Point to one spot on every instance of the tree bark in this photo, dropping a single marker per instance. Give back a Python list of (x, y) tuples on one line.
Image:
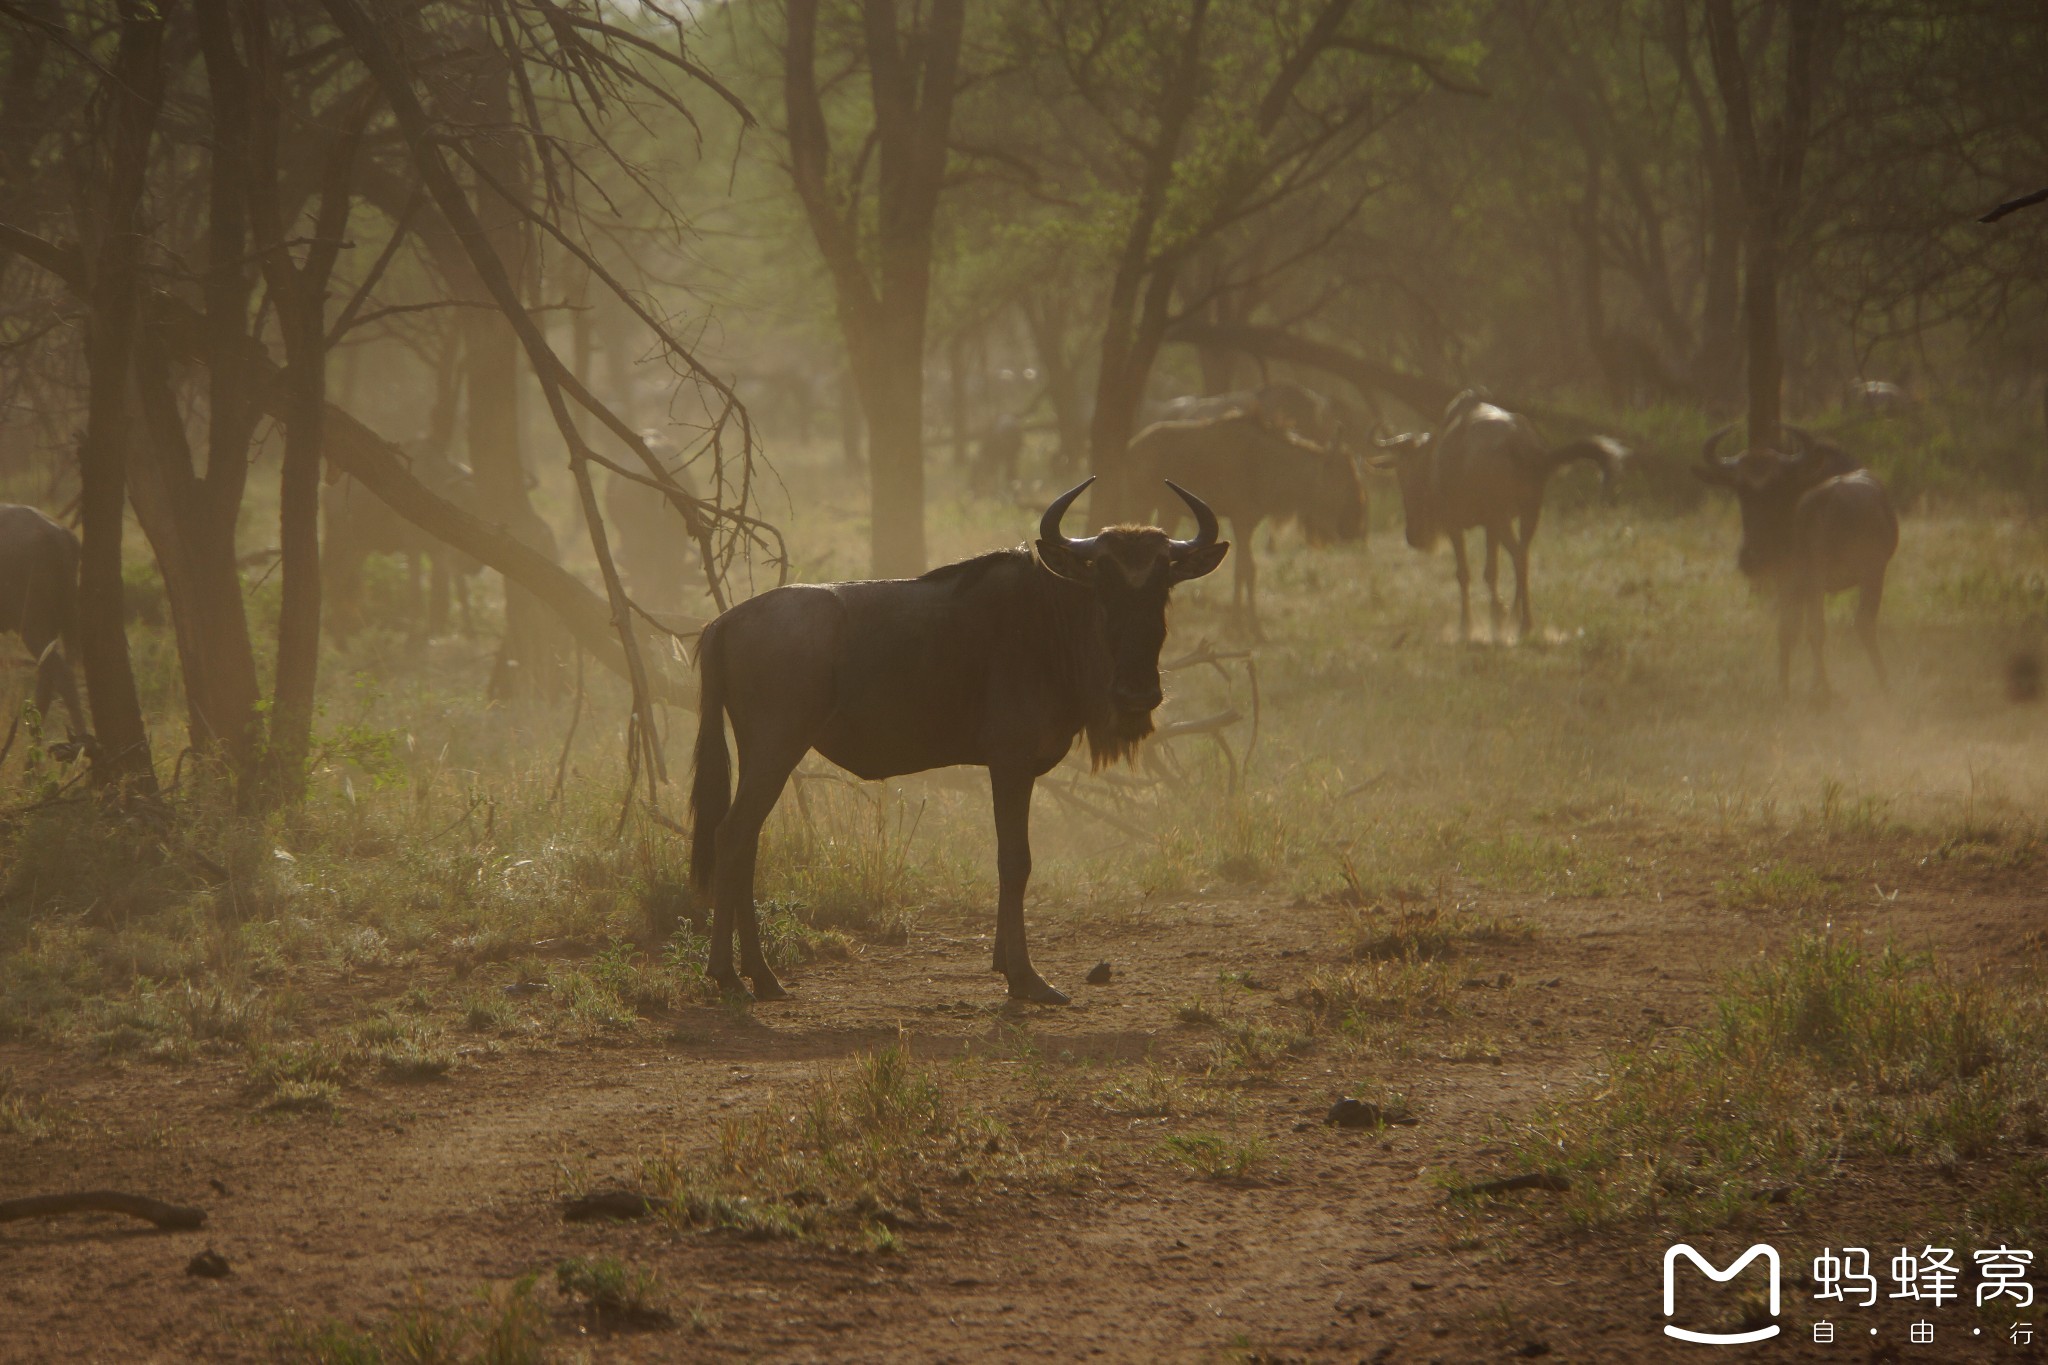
[(912, 77), (1769, 170), (135, 92)]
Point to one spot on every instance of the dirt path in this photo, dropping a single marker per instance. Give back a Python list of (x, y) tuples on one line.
[(1334, 1248)]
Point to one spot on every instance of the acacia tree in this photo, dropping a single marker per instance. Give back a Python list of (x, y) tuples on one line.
[(1182, 125), (881, 270)]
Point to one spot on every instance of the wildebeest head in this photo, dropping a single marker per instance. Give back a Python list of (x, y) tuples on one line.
[(1413, 460), (1131, 570), (1767, 485), (1335, 507)]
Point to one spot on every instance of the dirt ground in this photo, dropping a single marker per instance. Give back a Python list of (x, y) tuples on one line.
[(1337, 1247)]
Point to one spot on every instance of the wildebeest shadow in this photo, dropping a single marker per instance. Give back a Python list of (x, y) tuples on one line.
[(715, 1034)]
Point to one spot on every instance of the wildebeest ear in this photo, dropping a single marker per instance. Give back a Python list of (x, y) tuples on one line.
[(1061, 561), (1194, 563)]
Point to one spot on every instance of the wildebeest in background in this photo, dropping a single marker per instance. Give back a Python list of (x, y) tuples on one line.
[(1251, 473), (39, 602), (1813, 523), (1878, 397), (359, 524), (997, 662), (1487, 467), (996, 456), (657, 560), (1279, 406)]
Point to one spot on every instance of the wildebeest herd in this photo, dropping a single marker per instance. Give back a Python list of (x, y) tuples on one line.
[(1002, 661)]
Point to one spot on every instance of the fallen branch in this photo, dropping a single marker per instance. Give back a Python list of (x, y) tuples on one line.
[(167, 1217), (1528, 1180)]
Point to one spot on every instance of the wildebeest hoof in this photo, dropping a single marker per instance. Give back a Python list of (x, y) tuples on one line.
[(766, 987), (1035, 990), (730, 985)]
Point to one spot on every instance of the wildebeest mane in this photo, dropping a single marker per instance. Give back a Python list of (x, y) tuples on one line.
[(1061, 616)]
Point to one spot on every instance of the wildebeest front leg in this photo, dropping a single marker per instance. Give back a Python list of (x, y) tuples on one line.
[(1817, 627), (1464, 586), (1493, 579), (1791, 613), (1012, 790), (1867, 601), (1518, 551)]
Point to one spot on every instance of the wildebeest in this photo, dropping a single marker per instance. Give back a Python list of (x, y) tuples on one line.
[(1487, 467), (656, 557), (998, 661), (39, 602), (1280, 406), (358, 524), (1813, 523), (1251, 473), (1878, 397)]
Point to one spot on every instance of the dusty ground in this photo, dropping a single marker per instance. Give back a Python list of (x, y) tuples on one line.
[(1336, 1247)]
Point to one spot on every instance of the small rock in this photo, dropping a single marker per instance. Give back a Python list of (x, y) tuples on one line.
[(1419, 1285), (526, 988), (219, 1186), (1348, 1113), (209, 1265), (1530, 1350), (1100, 974)]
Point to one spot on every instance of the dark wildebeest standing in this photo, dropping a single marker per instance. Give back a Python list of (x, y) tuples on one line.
[(1487, 468), (39, 602), (1252, 472), (360, 524), (657, 559), (997, 662), (1813, 524)]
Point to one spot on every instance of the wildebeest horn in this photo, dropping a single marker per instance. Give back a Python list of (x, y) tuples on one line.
[(1707, 450), (1205, 520), (1049, 524)]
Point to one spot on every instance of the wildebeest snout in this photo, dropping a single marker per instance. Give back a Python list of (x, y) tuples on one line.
[(1135, 696)]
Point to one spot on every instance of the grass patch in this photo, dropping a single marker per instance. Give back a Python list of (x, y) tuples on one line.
[(1214, 1155), (1363, 997), (504, 1326), (1425, 932), (1827, 1052), (609, 1291), (872, 1147), (1777, 888)]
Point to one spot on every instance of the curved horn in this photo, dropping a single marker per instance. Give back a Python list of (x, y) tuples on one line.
[(1707, 450), (1390, 442), (1206, 529), (1049, 524)]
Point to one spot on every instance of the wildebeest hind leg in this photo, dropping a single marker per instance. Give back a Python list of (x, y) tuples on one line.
[(1012, 791), (765, 767)]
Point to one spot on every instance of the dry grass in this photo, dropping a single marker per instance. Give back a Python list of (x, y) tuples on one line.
[(1829, 1050), (874, 1149)]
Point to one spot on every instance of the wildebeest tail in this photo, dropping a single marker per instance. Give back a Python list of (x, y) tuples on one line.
[(711, 791), (1603, 451)]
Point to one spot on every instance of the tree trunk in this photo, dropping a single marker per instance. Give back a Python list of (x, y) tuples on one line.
[(912, 79), (135, 96)]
